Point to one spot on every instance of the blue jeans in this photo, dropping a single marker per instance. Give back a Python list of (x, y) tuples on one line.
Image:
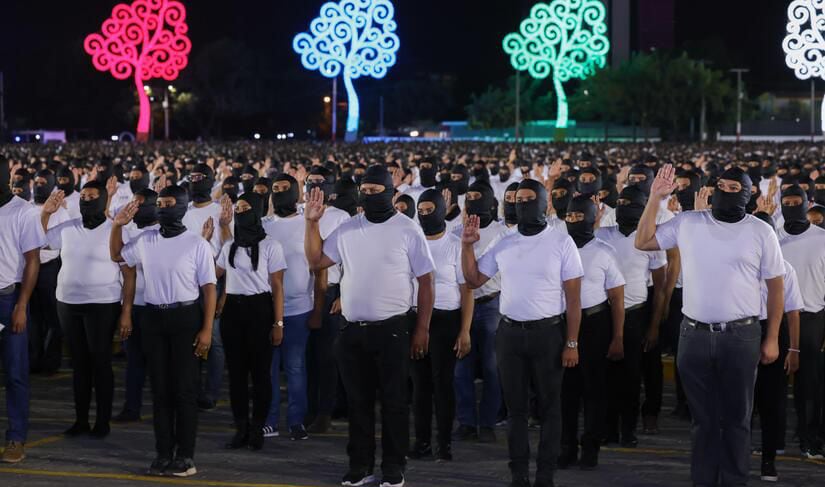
[(293, 352), (482, 355), (135, 364), (15, 349)]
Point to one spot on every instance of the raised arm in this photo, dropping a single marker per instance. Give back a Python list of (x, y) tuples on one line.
[(662, 187), (469, 265), (313, 245), (49, 208), (116, 236)]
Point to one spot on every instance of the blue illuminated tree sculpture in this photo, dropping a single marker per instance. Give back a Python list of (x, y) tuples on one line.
[(565, 38), (352, 38)]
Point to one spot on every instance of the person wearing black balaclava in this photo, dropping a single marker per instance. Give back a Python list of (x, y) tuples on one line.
[(345, 196), (248, 177), (803, 246), (607, 199), (641, 176), (719, 347), (501, 180), (320, 177), (600, 337), (816, 215), (405, 205), (458, 185), (263, 186), (449, 334), (145, 220), (480, 172), (819, 190), (538, 298), (88, 302), (376, 299), (138, 178), (21, 186), (509, 205), (253, 317), (230, 187), (65, 181), (358, 173), (477, 419), (561, 196)]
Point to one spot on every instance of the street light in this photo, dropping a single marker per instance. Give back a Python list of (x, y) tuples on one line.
[(327, 99), (739, 95), (257, 136)]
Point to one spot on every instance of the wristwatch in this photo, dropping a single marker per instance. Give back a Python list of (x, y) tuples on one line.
[(572, 344), (279, 324)]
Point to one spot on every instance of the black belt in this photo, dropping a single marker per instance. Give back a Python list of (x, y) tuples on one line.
[(8, 290), (181, 304), (595, 309), (720, 327), (804, 313), (374, 323), (635, 307), (333, 285), (553, 320), (487, 298)]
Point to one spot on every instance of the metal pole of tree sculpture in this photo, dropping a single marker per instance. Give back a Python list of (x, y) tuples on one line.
[(565, 38), (142, 41), (805, 48), (352, 38)]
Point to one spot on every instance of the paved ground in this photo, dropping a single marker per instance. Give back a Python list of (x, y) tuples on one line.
[(123, 456)]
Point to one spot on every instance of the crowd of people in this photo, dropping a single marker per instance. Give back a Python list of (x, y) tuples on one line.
[(557, 275)]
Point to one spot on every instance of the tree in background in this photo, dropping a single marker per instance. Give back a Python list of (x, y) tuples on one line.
[(496, 106)]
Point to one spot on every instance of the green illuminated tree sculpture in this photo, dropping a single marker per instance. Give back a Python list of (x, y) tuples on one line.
[(565, 38)]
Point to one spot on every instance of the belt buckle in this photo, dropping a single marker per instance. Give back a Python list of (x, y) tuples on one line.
[(718, 327), (163, 306), (362, 323)]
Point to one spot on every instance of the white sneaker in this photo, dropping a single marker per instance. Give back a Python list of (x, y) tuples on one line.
[(394, 482), (270, 431), (353, 479)]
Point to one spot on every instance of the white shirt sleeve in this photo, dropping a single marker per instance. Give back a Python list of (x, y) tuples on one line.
[(487, 263), (31, 232), (793, 296), (613, 276), (772, 264), (418, 252), (223, 258), (667, 234), (330, 246), (276, 261), (571, 261), (131, 254), (205, 263), (658, 259), (54, 236), (459, 273)]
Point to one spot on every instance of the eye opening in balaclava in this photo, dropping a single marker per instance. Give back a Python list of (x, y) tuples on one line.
[(795, 216), (532, 217), (483, 205), (435, 222), (730, 207), (581, 231)]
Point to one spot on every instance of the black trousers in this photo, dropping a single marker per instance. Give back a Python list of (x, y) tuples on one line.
[(376, 358), (624, 377), (433, 379), (672, 324), (168, 336), (322, 373), (586, 383), (45, 335), (652, 370), (771, 397), (245, 329), (525, 355), (809, 380), (89, 330)]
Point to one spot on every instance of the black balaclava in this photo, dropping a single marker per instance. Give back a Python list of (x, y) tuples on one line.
[(481, 207), (285, 203), (5, 190), (171, 218), (248, 229), (532, 217), (238, 170), (524, 167), (481, 173), (427, 175), (459, 186), (93, 211), (346, 196), (510, 214), (609, 185), (494, 169), (407, 200), (590, 189), (582, 232), (266, 183), (821, 211), (117, 172), (629, 214), (504, 173), (769, 171), (730, 207), (819, 194), (42, 191), (143, 182), (765, 218), (358, 177), (644, 185), (346, 172), (435, 222), (560, 204), (811, 191), (147, 213), (378, 208), (796, 219), (25, 189), (230, 188), (687, 196), (107, 171), (755, 195), (326, 186), (65, 172), (202, 190)]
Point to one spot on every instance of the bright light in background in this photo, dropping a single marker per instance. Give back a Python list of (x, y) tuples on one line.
[(257, 136), (327, 99), (290, 135), (115, 138), (37, 137), (414, 133), (17, 138), (172, 88)]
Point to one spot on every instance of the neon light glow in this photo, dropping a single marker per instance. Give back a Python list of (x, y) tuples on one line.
[(805, 48), (563, 37), (142, 41), (352, 38)]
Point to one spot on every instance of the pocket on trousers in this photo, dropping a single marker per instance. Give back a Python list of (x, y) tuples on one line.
[(686, 331), (750, 333)]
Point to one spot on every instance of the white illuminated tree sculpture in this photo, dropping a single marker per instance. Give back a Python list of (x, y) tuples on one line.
[(804, 44)]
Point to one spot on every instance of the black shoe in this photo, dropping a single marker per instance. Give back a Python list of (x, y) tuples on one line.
[(486, 435), (393, 480), (126, 417), (100, 431), (569, 457), (298, 432), (256, 438), (769, 473), (158, 467), (320, 425), (520, 481), (444, 453), (629, 440), (78, 429), (420, 450), (357, 478), (206, 404), (240, 440), (182, 467), (543, 483), (465, 433), (589, 459)]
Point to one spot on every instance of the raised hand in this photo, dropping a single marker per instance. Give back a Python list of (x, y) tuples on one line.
[(470, 234), (111, 186), (664, 183), (555, 170), (314, 208), (621, 178), (773, 187), (226, 211), (447, 195), (208, 229), (160, 183), (125, 215), (673, 204), (397, 176), (54, 202), (766, 204), (701, 200), (599, 208)]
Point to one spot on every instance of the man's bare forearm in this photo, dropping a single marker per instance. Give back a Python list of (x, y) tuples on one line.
[(313, 244), (30, 272)]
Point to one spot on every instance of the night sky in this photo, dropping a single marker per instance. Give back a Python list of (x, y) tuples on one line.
[(41, 47)]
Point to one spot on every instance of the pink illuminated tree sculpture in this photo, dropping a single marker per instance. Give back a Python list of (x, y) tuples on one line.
[(142, 41)]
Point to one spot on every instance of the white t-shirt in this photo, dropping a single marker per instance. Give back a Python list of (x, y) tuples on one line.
[(87, 273), (601, 272), (533, 270), (608, 216), (446, 252), (299, 282), (122, 197), (379, 262), (806, 253), (242, 279), (194, 219), (793, 296), (557, 224), (487, 236), (21, 232), (72, 203), (635, 264), (175, 268), (722, 263), (332, 218), (130, 233), (61, 215)]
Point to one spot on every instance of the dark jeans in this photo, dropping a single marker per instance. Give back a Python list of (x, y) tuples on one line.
[(809, 380), (528, 356), (15, 350), (135, 363), (45, 335), (652, 369), (586, 383), (719, 373), (89, 330), (246, 332), (376, 358), (672, 326), (624, 377), (210, 388), (433, 379), (168, 336), (322, 374), (771, 397)]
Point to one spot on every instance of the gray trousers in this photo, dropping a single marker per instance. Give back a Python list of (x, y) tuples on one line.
[(718, 371)]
